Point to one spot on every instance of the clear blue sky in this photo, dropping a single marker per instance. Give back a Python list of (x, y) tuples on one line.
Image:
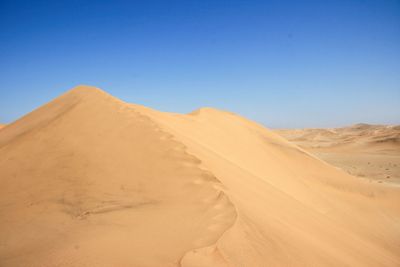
[(281, 63)]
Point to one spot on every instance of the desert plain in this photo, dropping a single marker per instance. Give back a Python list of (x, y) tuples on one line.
[(364, 150), (90, 180)]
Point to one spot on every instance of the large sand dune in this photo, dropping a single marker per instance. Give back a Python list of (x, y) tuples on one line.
[(88, 180)]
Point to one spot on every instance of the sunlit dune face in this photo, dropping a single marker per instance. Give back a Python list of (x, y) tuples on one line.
[(89, 180)]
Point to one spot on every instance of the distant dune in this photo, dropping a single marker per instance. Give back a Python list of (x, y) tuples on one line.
[(364, 137), (365, 150), (89, 180)]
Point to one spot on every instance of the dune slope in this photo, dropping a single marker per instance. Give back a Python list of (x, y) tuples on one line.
[(88, 180)]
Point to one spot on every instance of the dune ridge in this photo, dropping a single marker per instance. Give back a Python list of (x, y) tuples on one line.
[(104, 200), (90, 180)]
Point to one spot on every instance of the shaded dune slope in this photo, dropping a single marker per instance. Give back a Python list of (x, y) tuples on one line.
[(90, 180)]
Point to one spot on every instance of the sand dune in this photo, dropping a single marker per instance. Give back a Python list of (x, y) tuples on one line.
[(88, 180), (361, 137), (371, 151)]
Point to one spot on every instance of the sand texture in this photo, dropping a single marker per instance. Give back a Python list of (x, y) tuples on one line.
[(89, 180)]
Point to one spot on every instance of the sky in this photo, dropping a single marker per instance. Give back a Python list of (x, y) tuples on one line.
[(285, 64)]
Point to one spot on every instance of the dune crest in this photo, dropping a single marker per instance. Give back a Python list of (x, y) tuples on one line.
[(89, 180)]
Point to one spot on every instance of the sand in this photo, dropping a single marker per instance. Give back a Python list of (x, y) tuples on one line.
[(364, 150), (89, 180)]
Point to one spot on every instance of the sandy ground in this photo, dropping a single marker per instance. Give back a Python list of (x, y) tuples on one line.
[(89, 180), (370, 151)]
